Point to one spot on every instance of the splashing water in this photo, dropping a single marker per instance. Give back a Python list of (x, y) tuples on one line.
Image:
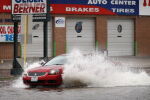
[(96, 71), (19, 83)]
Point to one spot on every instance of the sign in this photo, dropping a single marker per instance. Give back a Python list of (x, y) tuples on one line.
[(41, 17), (36, 17), (16, 17), (144, 6), (94, 7), (60, 22), (5, 6), (29, 6), (7, 33)]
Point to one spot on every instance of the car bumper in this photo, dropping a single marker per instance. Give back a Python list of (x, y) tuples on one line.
[(43, 80)]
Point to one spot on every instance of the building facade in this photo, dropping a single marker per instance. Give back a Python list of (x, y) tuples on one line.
[(115, 27)]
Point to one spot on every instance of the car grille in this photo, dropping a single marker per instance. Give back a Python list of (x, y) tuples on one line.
[(36, 73), (40, 81)]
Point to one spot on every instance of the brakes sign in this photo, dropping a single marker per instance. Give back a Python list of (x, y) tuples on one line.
[(29, 6)]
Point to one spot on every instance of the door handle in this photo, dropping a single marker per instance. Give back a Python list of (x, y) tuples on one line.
[(79, 36), (119, 36), (35, 36)]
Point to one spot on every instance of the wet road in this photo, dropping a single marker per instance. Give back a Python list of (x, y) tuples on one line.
[(7, 92)]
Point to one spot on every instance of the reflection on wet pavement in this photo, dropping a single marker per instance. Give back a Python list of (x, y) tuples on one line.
[(7, 92), (5, 83), (41, 88)]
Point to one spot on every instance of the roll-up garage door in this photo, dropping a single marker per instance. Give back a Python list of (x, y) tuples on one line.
[(35, 48), (120, 37), (80, 34)]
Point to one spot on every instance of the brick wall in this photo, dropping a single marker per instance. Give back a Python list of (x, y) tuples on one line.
[(101, 32), (6, 50), (143, 36), (59, 40)]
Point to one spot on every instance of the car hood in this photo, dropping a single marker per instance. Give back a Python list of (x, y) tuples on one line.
[(46, 68)]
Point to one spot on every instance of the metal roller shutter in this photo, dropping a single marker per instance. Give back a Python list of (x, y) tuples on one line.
[(80, 34), (120, 37), (35, 49)]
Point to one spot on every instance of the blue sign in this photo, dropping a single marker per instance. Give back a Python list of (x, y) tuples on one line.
[(99, 7)]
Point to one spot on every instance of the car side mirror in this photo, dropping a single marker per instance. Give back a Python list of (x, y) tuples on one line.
[(42, 62)]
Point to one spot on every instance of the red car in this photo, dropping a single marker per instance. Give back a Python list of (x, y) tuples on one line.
[(48, 74)]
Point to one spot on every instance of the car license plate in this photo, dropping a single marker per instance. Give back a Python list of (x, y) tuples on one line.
[(34, 79)]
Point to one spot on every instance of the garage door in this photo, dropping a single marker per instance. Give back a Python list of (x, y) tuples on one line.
[(120, 37), (35, 49), (80, 34)]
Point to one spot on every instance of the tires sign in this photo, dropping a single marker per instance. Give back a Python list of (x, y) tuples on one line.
[(95, 7)]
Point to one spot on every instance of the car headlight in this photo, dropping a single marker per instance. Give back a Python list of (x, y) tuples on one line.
[(54, 72)]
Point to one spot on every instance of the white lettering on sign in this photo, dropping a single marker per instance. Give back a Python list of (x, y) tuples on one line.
[(113, 2), (51, 8), (6, 7), (122, 10), (97, 2), (74, 9), (123, 2)]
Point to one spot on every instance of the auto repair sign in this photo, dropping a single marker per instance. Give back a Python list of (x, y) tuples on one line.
[(97, 7), (7, 33), (90, 7), (29, 6)]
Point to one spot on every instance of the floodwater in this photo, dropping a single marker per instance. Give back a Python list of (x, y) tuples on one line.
[(7, 92), (90, 77)]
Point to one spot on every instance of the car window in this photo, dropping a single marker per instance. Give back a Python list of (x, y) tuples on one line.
[(59, 60)]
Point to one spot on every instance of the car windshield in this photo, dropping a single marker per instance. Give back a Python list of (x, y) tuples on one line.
[(60, 60)]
